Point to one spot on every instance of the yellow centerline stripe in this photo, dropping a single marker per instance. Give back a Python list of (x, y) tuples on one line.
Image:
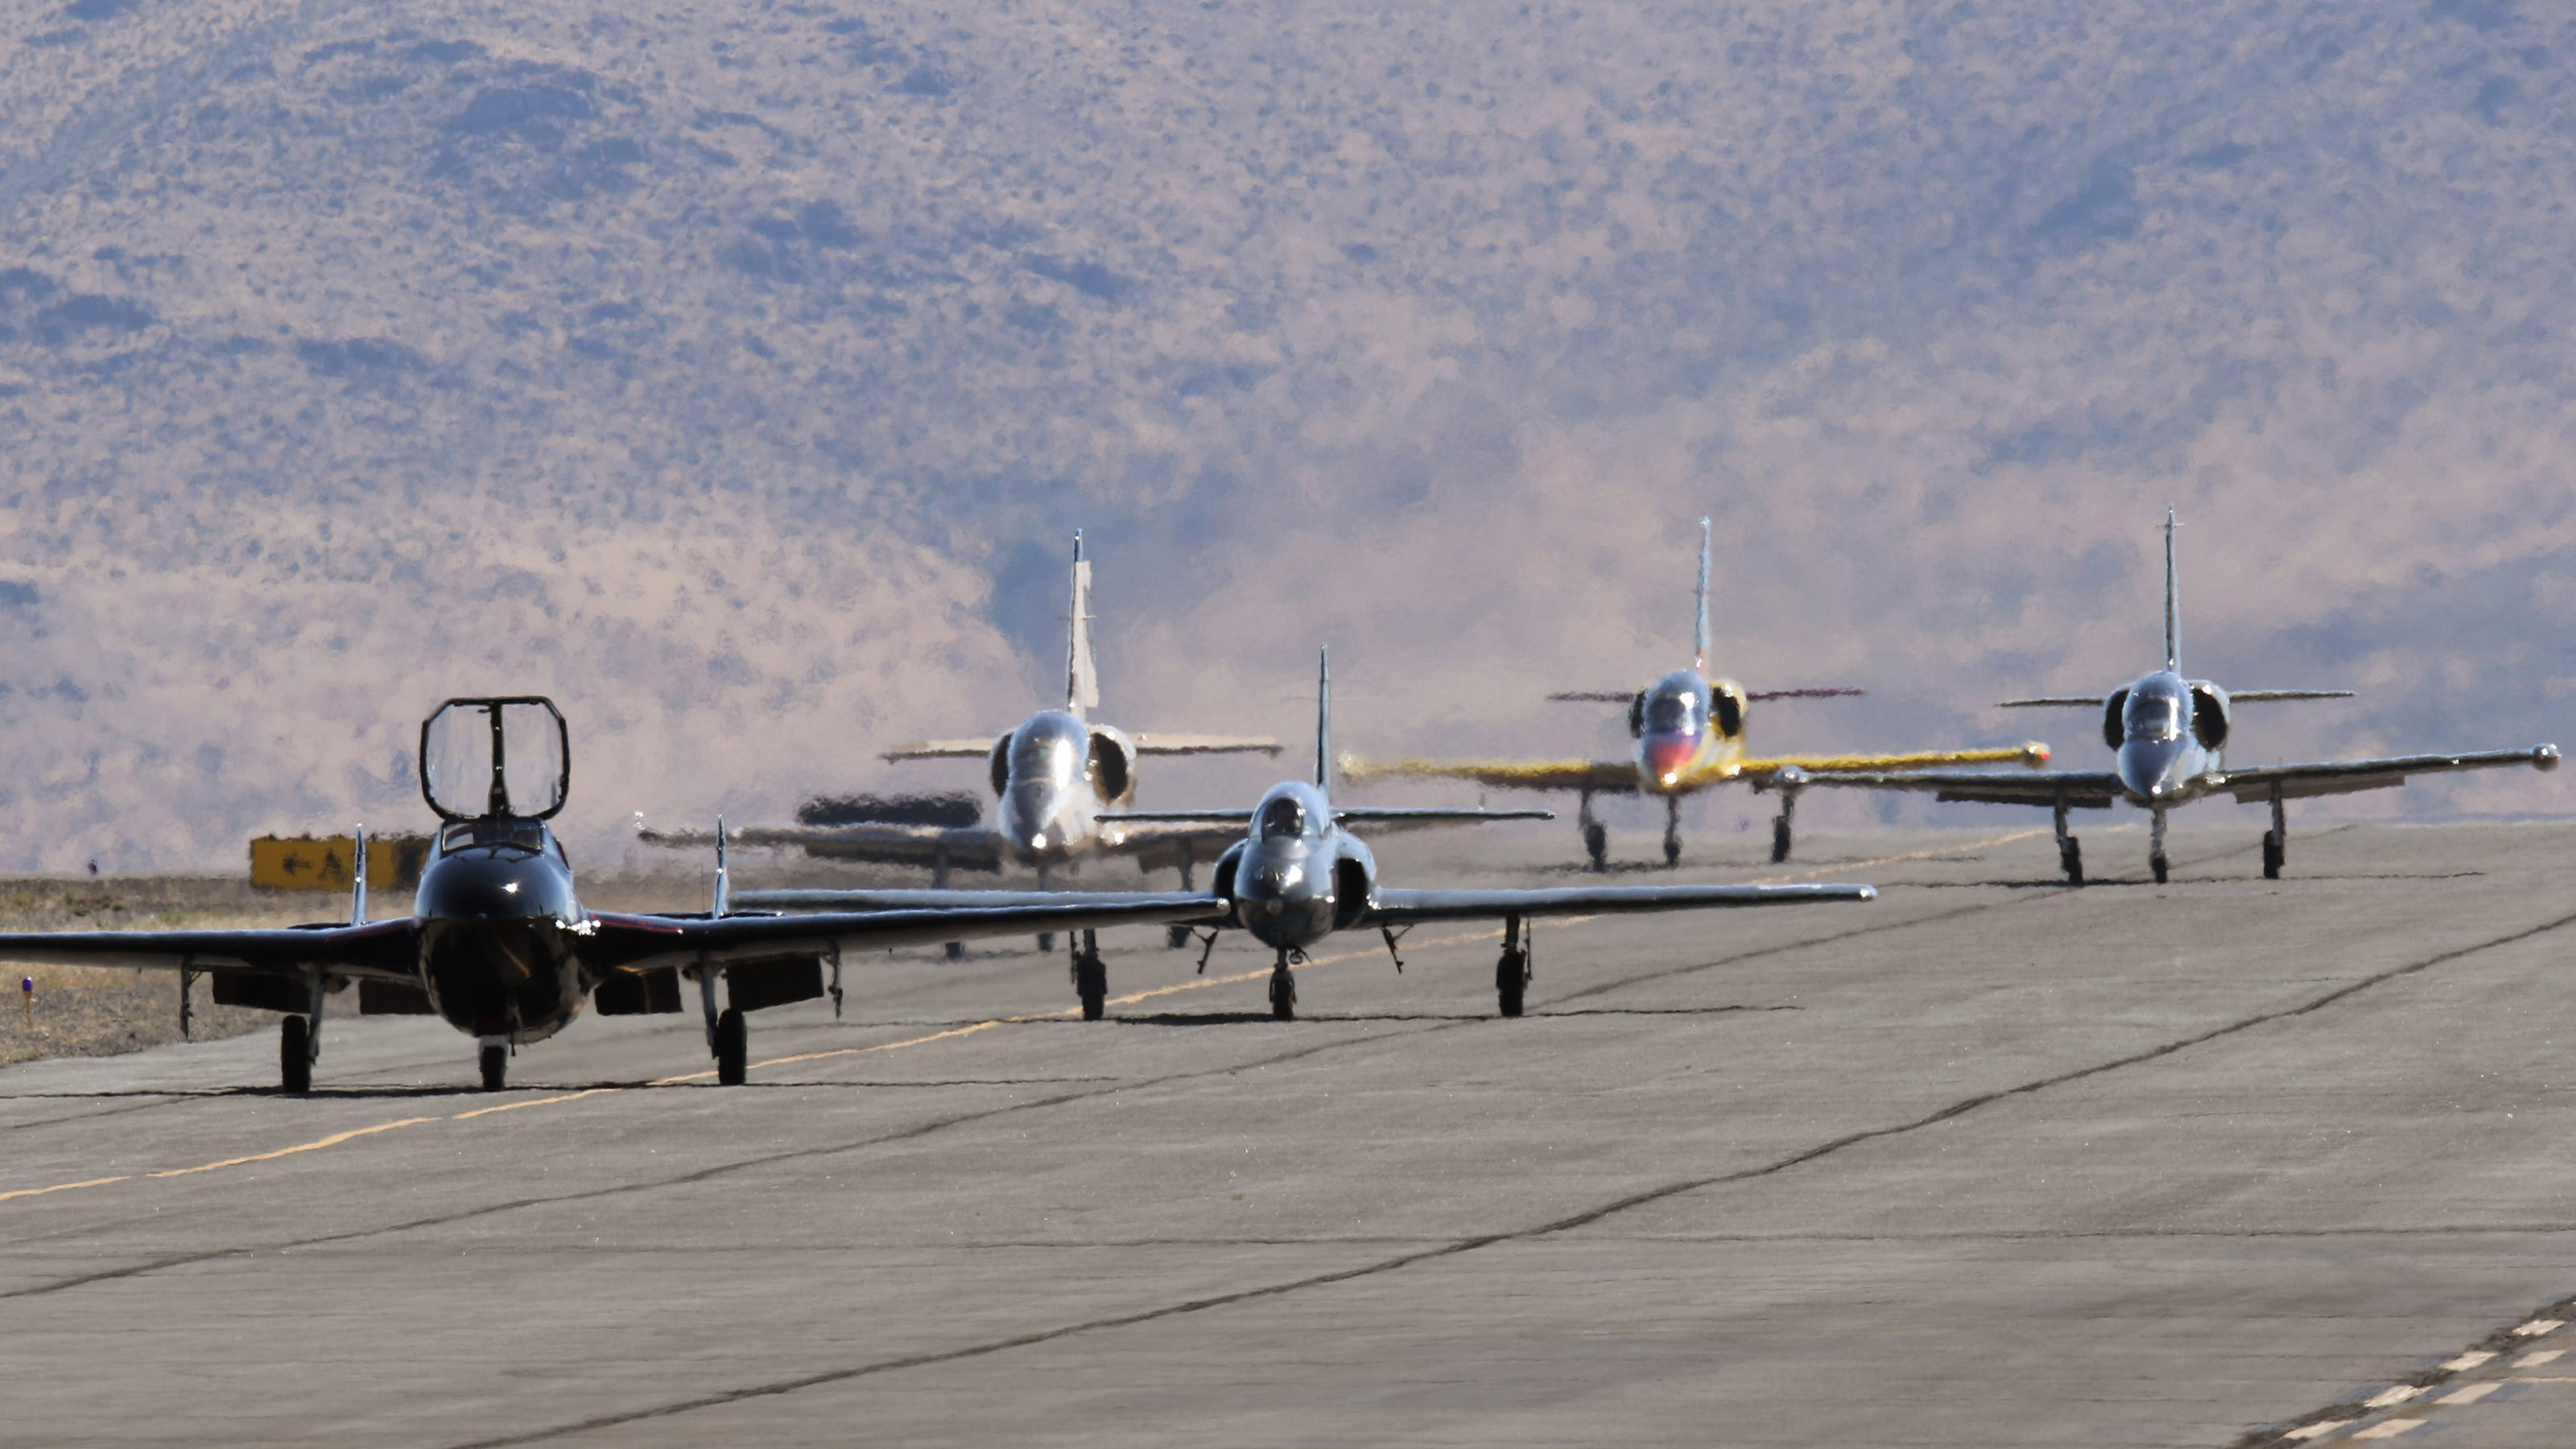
[(62, 1187), (316, 1145), (1462, 938)]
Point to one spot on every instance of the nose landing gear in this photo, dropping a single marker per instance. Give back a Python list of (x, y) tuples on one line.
[(1283, 991), (1512, 974), (495, 1061), (1672, 831), (1090, 973), (2070, 851), (2156, 847)]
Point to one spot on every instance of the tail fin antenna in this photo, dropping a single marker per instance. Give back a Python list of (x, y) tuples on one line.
[(2173, 599), (723, 903), (1699, 639), (1324, 719), (1081, 674)]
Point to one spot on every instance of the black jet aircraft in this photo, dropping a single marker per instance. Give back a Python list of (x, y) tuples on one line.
[(2168, 736), (1296, 875), (500, 946)]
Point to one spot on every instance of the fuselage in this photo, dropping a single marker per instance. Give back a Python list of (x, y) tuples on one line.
[(498, 922), (1054, 775), (1299, 876), (2161, 757), (1681, 723)]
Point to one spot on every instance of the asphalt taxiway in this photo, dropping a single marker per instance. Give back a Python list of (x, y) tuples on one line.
[(1985, 1162)]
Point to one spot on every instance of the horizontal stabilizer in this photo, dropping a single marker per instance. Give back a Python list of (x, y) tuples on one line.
[(1810, 692), (1171, 744), (1596, 696), (943, 749), (2268, 696), (2055, 701), (1430, 815)]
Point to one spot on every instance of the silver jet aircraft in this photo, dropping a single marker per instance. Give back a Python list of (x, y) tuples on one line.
[(2168, 736), (1055, 778), (499, 945), (1295, 875)]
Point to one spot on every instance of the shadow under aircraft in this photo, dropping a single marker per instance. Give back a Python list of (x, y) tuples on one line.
[(1295, 874), (1689, 729), (499, 945), (2168, 737)]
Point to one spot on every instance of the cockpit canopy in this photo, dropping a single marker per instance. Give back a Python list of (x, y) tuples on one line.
[(1049, 747), (1288, 814), (2156, 709), (498, 833), (486, 758), (1676, 704)]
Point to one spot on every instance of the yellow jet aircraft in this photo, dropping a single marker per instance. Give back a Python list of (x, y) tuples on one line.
[(1689, 729)]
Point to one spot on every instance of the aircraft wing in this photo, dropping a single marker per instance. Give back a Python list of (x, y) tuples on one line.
[(943, 749), (1372, 818), (382, 950), (1397, 907), (2083, 789), (869, 840), (2336, 777), (1602, 777), (1160, 743), (620, 941), (2033, 754)]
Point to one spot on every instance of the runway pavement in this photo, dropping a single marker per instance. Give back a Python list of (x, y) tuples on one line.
[(1985, 1162)]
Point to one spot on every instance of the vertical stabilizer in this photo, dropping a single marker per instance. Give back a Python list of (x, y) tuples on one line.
[(2173, 600), (1324, 720), (1081, 675), (1699, 639)]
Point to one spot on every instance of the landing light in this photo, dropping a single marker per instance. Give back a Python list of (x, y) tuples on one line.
[(1670, 776), (1038, 841), (509, 888)]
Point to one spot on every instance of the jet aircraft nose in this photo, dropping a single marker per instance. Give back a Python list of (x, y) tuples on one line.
[(1668, 754), (2148, 768), (1029, 817)]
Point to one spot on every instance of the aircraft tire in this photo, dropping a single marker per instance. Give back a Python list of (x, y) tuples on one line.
[(2272, 856), (295, 1055), (1672, 848), (1779, 841), (733, 1049), (1596, 845), (1511, 983), (1046, 941), (1283, 996), (1091, 983), (2158, 864), (2070, 858), (496, 1068), (1176, 937)]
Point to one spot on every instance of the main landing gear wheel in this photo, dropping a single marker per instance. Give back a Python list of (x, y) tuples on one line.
[(2273, 856), (295, 1055), (2157, 864), (1046, 942), (2070, 859), (1283, 995), (1596, 844), (1090, 977), (1511, 980), (1176, 937), (496, 1067), (733, 1049)]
